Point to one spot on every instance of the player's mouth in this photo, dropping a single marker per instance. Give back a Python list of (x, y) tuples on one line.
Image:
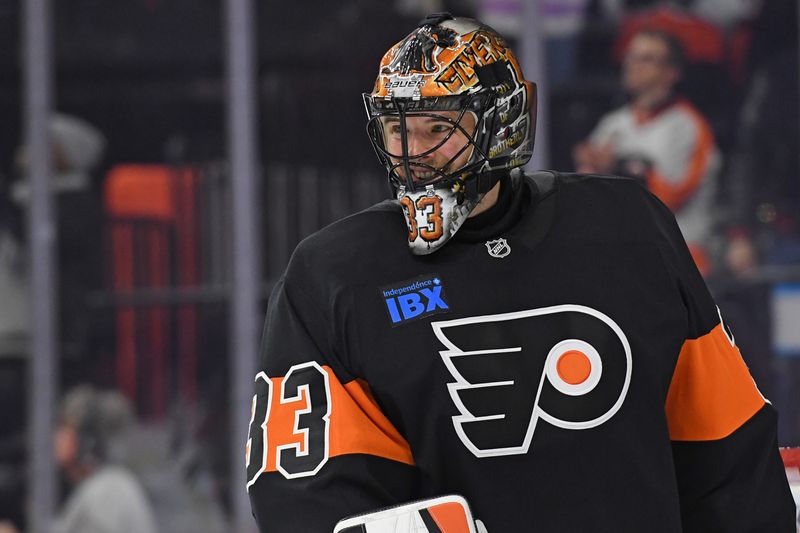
[(423, 175)]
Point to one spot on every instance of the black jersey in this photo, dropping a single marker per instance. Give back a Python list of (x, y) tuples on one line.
[(564, 368)]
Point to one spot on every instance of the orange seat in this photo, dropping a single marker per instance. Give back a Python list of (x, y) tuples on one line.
[(140, 191), (153, 223)]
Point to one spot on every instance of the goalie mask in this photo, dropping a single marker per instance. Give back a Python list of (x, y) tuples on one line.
[(449, 115)]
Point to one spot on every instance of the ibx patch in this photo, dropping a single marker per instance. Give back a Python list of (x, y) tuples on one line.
[(415, 298)]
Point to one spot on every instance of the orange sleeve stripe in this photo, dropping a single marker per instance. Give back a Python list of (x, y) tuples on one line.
[(359, 426), (712, 393), (356, 424), (449, 517), (675, 194)]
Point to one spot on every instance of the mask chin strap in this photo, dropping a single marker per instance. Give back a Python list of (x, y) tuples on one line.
[(483, 182)]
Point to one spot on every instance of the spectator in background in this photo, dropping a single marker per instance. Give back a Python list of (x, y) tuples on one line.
[(659, 137), (714, 38), (77, 151), (89, 445), (14, 290), (701, 41)]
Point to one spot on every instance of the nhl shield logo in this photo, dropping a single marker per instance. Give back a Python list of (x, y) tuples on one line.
[(498, 248)]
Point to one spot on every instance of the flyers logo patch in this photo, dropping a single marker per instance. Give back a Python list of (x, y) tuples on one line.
[(569, 366)]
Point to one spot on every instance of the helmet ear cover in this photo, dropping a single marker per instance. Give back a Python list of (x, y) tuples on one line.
[(381, 108)]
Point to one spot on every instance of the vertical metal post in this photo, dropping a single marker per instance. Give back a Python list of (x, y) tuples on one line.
[(245, 321), (42, 370), (532, 57)]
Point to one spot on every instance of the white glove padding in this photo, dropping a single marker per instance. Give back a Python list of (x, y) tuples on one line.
[(443, 514)]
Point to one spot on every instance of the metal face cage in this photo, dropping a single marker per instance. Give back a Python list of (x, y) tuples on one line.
[(401, 166)]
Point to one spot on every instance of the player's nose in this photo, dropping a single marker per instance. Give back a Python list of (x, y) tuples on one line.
[(418, 145)]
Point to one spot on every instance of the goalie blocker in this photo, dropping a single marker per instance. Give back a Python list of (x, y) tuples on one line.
[(444, 514)]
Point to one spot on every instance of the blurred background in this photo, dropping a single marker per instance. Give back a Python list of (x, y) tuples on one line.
[(143, 186)]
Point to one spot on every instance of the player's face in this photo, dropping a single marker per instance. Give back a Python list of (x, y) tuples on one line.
[(426, 133), (646, 66)]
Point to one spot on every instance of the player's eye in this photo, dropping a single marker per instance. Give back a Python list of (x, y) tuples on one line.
[(441, 127), (393, 129)]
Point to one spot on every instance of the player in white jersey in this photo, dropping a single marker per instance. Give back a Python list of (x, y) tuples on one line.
[(661, 138)]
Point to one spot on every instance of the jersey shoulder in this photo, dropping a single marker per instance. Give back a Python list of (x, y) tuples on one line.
[(351, 247), (357, 234), (603, 188), (612, 207)]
